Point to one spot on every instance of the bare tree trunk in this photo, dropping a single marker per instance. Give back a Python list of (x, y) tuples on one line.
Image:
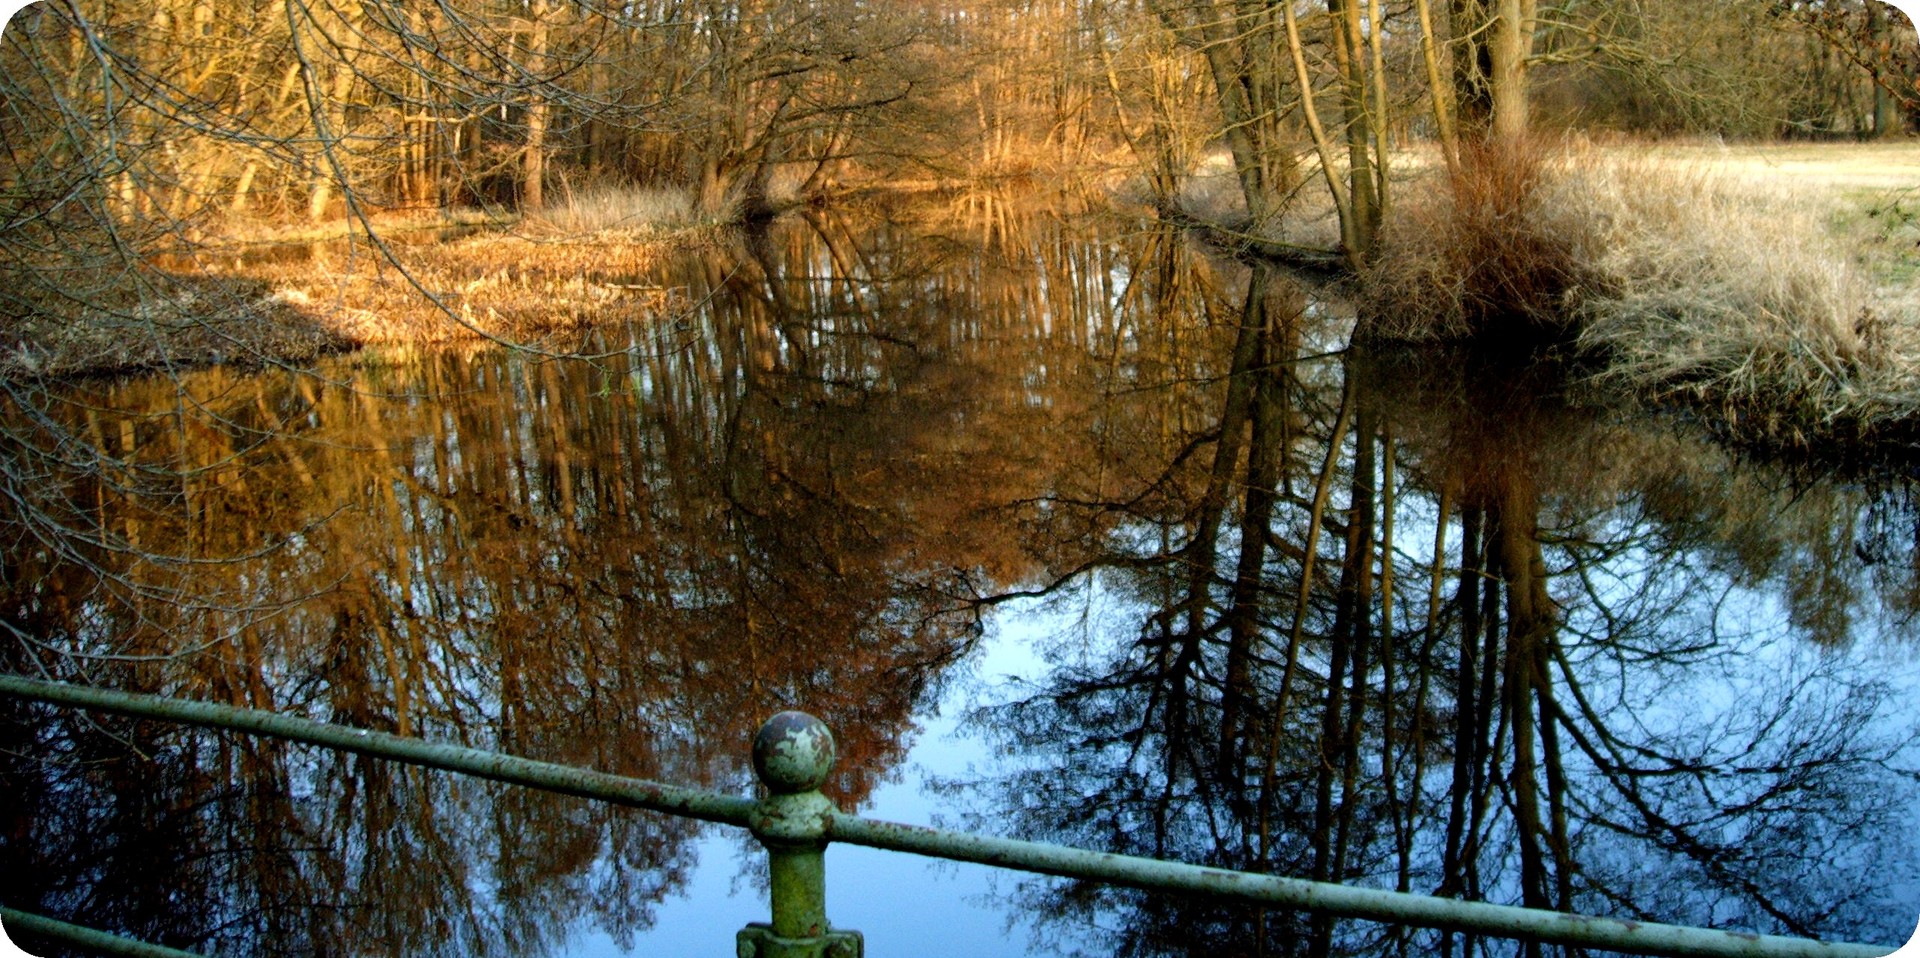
[(1472, 65), (1510, 47), (1363, 201), (1440, 90), (1342, 203), (534, 164)]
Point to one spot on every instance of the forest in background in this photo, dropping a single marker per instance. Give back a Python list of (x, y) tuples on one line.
[(123, 115)]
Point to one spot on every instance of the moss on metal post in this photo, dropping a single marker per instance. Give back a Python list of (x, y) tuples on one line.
[(793, 753)]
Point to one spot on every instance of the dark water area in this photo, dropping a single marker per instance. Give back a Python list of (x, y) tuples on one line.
[(1071, 531)]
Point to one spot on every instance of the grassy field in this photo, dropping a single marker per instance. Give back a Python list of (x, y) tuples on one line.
[(1839, 168), (1868, 193)]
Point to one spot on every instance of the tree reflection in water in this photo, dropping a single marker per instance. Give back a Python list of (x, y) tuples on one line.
[(1409, 620), (1465, 638)]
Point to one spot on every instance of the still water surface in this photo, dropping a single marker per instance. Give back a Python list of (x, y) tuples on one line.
[(1070, 531)]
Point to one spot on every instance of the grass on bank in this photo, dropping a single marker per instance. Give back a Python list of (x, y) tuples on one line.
[(570, 268), (1746, 296), (606, 208), (264, 293)]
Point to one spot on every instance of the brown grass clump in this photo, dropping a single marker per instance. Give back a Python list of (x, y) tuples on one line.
[(512, 287), (174, 322), (255, 292), (609, 208), (1490, 252)]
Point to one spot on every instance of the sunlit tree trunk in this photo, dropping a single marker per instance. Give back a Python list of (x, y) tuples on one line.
[(1361, 118), (1509, 49), (534, 170), (1440, 89)]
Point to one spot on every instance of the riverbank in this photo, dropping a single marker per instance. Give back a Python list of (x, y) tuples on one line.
[(525, 285), (286, 295), (1769, 291), (1773, 290)]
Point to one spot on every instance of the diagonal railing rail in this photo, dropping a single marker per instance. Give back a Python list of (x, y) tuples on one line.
[(793, 754)]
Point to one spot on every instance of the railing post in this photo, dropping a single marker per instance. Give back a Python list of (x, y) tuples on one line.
[(792, 755)]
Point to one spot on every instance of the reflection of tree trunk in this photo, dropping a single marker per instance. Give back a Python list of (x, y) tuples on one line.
[(1316, 518), (785, 318), (1478, 596), (1255, 521), (1530, 625), (1344, 713), (1517, 560), (1200, 553), (1466, 596), (1556, 782), (1487, 732)]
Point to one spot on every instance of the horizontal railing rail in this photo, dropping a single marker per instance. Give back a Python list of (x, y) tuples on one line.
[(93, 940), (793, 755), (546, 776)]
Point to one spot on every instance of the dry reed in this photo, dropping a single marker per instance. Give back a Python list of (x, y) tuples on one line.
[(606, 208), (513, 287), (1740, 302)]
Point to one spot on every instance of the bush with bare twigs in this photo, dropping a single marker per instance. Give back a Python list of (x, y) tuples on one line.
[(1490, 252)]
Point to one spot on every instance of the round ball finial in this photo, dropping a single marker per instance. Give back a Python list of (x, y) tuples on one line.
[(793, 753)]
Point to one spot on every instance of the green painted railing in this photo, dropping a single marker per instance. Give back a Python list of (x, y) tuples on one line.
[(793, 754)]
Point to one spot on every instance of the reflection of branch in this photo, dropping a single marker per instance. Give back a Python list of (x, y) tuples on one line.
[(980, 600), (1323, 486), (1677, 838)]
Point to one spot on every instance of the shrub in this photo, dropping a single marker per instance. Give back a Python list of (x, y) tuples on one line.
[(1489, 253)]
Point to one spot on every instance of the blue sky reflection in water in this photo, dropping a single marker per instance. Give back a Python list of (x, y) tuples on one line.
[(878, 470), (902, 904)]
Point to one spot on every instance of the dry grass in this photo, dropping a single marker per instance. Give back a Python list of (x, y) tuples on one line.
[(184, 323), (1807, 168), (1720, 288), (228, 231), (294, 302), (1734, 295), (511, 287), (618, 209)]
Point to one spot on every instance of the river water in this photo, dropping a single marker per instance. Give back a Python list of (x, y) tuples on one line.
[(1070, 530)]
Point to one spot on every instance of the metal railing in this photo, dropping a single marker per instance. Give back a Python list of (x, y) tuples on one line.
[(793, 754)]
